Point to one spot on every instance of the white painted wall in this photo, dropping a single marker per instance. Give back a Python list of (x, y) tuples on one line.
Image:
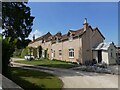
[(112, 59), (105, 57)]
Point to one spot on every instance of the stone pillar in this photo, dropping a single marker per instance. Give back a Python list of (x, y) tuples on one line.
[(43, 53)]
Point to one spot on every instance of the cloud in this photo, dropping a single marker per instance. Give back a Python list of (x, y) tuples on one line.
[(37, 34)]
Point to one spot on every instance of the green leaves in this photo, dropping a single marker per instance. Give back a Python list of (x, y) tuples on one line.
[(17, 20), (17, 24), (8, 47), (0, 37)]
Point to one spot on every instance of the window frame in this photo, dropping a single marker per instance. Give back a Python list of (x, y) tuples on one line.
[(60, 53), (70, 38), (71, 53)]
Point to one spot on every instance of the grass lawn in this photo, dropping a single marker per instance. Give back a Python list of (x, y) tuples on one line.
[(49, 63), (32, 80)]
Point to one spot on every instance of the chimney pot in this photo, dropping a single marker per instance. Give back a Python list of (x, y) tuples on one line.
[(85, 24), (33, 37)]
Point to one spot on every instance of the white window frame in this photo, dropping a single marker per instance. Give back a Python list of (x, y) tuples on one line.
[(71, 50), (70, 38)]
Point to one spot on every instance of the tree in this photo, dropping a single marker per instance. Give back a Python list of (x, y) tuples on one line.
[(16, 20), (7, 51), (17, 24), (22, 44)]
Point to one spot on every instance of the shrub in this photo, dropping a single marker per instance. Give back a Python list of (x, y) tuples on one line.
[(8, 46), (94, 61), (24, 52), (17, 53), (88, 63)]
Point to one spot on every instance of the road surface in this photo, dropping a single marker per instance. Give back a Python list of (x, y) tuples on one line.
[(78, 79)]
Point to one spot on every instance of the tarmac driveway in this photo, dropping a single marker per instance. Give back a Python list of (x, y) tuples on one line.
[(78, 79)]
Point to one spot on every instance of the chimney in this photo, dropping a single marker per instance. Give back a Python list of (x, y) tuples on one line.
[(33, 37), (85, 24)]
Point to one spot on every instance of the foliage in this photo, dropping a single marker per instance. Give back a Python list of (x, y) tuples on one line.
[(17, 24), (0, 37), (22, 44), (16, 20), (21, 52), (90, 62), (17, 53), (7, 52), (35, 80), (24, 52)]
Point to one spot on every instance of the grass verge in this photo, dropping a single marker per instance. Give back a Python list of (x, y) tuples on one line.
[(49, 63), (34, 80)]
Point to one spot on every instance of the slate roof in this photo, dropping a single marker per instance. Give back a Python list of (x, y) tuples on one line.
[(58, 36), (98, 31), (103, 46), (44, 37)]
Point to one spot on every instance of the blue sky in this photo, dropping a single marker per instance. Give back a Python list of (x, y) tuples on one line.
[(62, 16)]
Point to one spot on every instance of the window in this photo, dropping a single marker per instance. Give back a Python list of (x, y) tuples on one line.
[(70, 38), (71, 53), (54, 53), (60, 52)]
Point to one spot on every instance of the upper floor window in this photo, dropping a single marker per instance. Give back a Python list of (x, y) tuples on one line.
[(57, 40), (70, 38), (71, 52)]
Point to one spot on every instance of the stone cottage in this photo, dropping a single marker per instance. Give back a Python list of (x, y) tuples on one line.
[(75, 46)]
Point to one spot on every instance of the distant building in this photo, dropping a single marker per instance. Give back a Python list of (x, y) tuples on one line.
[(118, 54), (80, 45)]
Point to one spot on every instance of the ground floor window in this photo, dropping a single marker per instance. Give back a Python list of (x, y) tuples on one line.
[(54, 53), (71, 52), (60, 52)]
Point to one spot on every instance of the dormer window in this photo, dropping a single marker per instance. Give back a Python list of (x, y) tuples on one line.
[(56, 38), (70, 38), (40, 41)]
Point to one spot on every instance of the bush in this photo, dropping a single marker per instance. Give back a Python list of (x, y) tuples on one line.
[(102, 65), (24, 52), (90, 62), (8, 46), (94, 61), (17, 53)]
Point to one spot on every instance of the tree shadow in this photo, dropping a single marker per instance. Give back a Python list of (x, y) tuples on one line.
[(64, 72), (17, 75)]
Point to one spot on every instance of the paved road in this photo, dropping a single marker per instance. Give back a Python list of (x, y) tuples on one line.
[(78, 79)]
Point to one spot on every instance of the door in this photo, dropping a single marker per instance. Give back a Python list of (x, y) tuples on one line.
[(99, 56)]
